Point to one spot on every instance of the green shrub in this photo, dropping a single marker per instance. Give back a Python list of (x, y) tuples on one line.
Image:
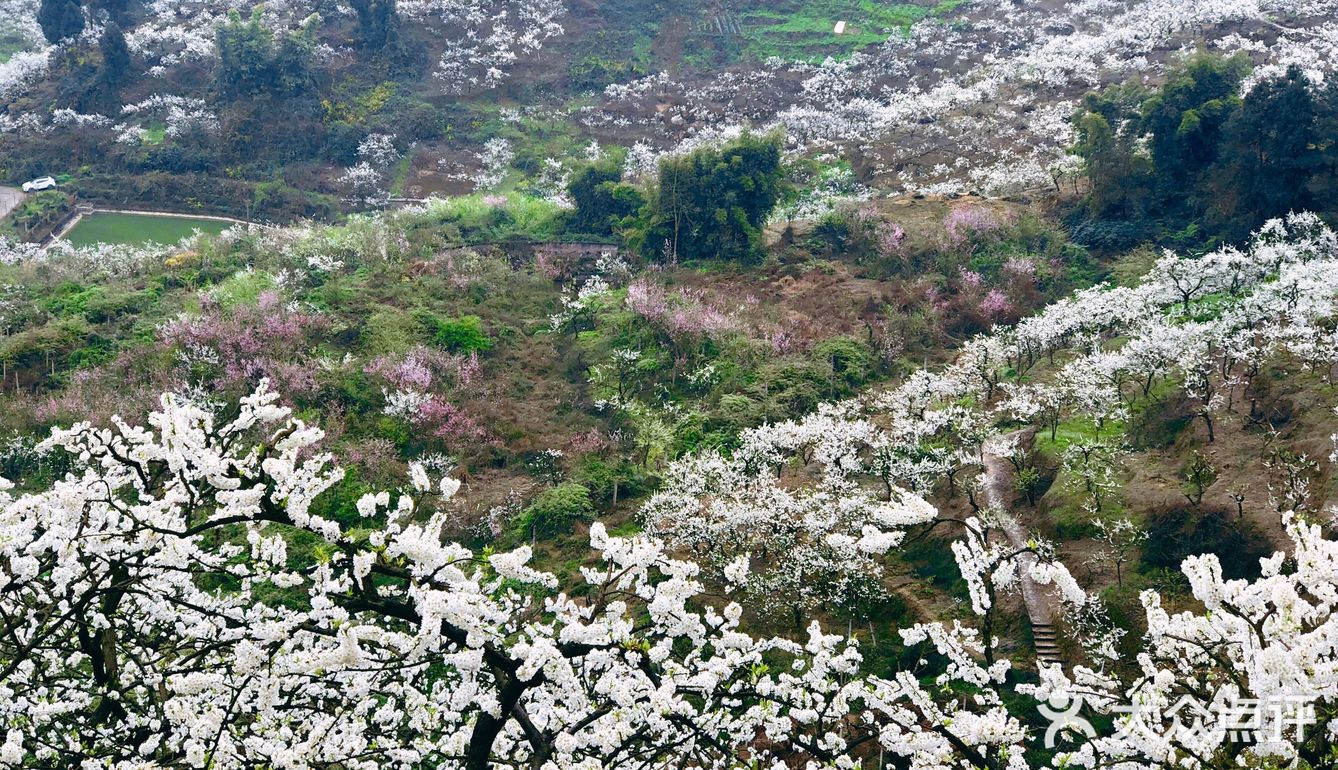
[(393, 430), (110, 305), (1111, 235), (790, 388), (834, 234), (39, 344), (476, 219), (849, 360), (602, 200), (1159, 423), (612, 480), (70, 298), (243, 288), (737, 411), (99, 351), (932, 560), (390, 331), (693, 433), (462, 335), (555, 510), (1071, 521)]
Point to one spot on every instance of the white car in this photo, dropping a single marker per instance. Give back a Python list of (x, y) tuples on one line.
[(40, 183)]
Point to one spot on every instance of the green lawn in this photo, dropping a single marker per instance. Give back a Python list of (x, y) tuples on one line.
[(795, 30), (11, 42), (103, 227)]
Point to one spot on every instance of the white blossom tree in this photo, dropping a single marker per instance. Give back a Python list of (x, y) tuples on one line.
[(806, 544), (154, 612)]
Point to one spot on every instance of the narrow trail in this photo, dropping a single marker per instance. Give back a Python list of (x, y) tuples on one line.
[(1041, 603)]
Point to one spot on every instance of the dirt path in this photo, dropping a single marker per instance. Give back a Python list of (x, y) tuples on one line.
[(10, 198), (1041, 603)]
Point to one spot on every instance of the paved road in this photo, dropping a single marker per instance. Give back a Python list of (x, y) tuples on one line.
[(9, 198)]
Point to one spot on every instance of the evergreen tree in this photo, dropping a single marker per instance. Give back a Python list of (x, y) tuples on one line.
[(1269, 155), (602, 199), (115, 54), (251, 62), (245, 49), (293, 56), (1323, 185), (1184, 119), (712, 202), (60, 19), (378, 24), (1121, 177)]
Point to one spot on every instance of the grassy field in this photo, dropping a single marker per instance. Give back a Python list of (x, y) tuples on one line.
[(138, 228), (11, 42), (806, 30)]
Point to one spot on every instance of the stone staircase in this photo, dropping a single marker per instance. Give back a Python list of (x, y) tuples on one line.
[(1046, 642), (1041, 603)]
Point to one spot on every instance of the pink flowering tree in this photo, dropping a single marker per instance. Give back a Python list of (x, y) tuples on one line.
[(966, 226), (417, 388), (236, 347), (995, 304), (686, 317)]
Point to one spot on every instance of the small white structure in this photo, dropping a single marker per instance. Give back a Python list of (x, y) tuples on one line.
[(840, 28)]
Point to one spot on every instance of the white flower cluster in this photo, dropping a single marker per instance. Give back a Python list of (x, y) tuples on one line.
[(485, 38), (1209, 324), (155, 611), (494, 163), (980, 103), (365, 182)]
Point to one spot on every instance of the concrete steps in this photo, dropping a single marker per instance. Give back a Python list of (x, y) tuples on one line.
[(1046, 641)]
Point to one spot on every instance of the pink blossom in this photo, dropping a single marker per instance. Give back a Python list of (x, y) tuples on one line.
[(866, 214), (447, 421), (891, 238), (781, 341), (289, 376), (936, 301), (547, 265), (646, 299), (681, 313), (422, 366), (268, 301), (964, 224), (247, 344), (971, 280), (995, 304), (593, 440), (408, 373), (373, 455), (466, 369)]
